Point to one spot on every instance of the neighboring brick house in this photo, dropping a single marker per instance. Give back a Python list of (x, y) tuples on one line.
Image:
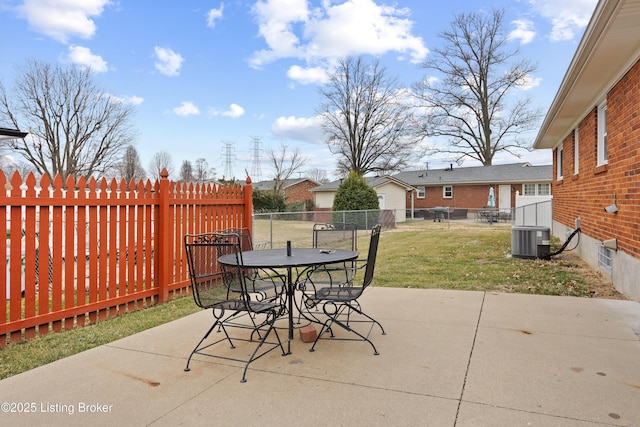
[(295, 190), (593, 127), (468, 187)]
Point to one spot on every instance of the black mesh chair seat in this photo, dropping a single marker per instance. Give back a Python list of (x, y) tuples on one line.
[(230, 294), (339, 293), (240, 305)]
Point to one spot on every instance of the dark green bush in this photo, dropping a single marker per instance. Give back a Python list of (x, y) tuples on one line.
[(268, 201), (354, 194)]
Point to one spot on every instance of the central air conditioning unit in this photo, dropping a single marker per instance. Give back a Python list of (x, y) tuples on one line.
[(530, 242)]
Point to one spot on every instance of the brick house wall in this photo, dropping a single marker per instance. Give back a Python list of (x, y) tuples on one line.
[(299, 192), (464, 196), (585, 194)]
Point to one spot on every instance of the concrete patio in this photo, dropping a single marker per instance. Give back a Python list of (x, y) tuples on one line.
[(450, 358)]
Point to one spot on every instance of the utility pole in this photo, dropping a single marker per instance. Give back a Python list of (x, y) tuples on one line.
[(256, 158), (229, 158)]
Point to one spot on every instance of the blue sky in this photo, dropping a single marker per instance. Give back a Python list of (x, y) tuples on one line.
[(202, 73)]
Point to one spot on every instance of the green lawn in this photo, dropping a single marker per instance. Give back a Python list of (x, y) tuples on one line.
[(470, 257)]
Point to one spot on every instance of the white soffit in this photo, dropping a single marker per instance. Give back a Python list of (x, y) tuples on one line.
[(610, 45)]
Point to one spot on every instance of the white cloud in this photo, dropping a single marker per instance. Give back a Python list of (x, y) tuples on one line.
[(567, 17), (299, 128), (529, 82), (133, 100), (61, 19), (234, 111), (82, 56), (187, 108), (308, 75), (523, 31), (275, 21), (331, 30), (168, 62), (214, 15)]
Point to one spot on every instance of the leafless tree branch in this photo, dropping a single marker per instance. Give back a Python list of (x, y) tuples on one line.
[(469, 102), (367, 119), (285, 163), (75, 127)]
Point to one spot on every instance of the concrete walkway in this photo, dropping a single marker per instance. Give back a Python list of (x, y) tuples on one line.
[(450, 358)]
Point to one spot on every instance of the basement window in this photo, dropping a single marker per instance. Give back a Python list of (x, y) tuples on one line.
[(605, 259)]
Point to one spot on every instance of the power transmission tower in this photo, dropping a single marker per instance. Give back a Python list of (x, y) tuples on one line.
[(256, 170), (229, 158)]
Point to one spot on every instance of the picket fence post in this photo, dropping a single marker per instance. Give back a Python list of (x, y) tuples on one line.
[(163, 236), (248, 205)]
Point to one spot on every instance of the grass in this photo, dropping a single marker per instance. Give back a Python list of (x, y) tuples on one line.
[(469, 258), (415, 255)]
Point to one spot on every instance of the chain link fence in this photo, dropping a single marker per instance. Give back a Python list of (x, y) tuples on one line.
[(272, 230)]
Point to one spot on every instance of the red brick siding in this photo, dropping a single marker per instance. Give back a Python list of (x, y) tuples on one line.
[(585, 195), (464, 196), (299, 192)]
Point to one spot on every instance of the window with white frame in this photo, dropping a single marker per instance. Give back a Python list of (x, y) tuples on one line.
[(544, 189), (602, 133), (447, 191), (531, 189), (576, 152), (421, 193), (559, 155)]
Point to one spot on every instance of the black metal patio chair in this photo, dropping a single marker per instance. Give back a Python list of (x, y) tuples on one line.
[(336, 235), (211, 283), (339, 300)]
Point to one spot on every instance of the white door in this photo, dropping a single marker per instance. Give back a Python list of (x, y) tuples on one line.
[(505, 198), (381, 200)]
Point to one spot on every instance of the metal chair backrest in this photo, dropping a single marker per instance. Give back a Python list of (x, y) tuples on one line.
[(371, 256), (233, 275), (206, 276), (336, 235), (246, 242)]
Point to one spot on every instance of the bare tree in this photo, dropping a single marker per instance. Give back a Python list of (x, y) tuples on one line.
[(318, 175), (75, 127), (130, 167), (467, 102), (186, 171), (367, 118), (202, 172), (10, 165), (285, 163), (160, 160)]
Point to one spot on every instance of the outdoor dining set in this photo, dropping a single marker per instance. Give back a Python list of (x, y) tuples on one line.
[(249, 290)]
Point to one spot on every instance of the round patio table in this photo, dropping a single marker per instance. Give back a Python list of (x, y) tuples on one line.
[(300, 257)]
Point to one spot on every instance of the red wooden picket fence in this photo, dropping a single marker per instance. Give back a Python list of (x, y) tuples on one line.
[(81, 252)]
